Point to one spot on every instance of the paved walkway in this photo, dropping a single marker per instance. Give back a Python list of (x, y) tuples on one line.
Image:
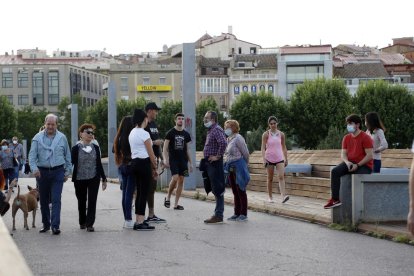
[(265, 245)]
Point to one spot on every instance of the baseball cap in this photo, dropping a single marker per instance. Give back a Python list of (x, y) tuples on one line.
[(151, 105)]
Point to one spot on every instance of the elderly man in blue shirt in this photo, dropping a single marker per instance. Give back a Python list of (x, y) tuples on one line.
[(50, 160)]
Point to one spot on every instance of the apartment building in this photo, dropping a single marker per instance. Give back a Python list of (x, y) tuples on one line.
[(155, 79), (296, 64), (32, 78)]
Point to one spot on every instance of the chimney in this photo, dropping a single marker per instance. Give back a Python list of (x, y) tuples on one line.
[(230, 29)]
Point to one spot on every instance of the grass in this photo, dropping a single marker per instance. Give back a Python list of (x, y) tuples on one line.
[(348, 227)]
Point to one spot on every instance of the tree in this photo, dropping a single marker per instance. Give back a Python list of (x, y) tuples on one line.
[(65, 114), (203, 106), (316, 106), (165, 119), (7, 119), (395, 106), (252, 111), (98, 115), (29, 121)]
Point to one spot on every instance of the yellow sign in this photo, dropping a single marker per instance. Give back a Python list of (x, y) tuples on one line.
[(154, 88)]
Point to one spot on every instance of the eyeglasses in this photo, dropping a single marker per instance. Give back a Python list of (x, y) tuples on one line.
[(89, 132)]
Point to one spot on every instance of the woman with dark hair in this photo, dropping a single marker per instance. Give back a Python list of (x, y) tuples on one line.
[(87, 173), (143, 166), (274, 153), (375, 129), (122, 151)]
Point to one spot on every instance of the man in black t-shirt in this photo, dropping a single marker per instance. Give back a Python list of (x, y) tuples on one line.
[(152, 111), (177, 158)]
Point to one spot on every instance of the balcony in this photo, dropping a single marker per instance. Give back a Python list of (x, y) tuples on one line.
[(253, 77)]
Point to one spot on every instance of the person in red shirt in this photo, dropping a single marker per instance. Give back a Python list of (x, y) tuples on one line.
[(356, 156)]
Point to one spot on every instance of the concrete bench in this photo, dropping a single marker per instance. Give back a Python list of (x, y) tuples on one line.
[(372, 198), (299, 168), (394, 171)]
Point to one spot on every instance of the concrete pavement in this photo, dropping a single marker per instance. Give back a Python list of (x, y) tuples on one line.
[(265, 245)]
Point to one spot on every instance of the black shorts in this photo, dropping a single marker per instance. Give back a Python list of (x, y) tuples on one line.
[(273, 164), (179, 167)]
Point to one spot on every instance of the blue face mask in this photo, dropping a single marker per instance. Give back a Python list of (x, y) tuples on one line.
[(3, 147), (208, 124), (228, 131), (350, 128)]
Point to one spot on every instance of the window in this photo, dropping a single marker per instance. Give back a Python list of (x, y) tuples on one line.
[(53, 81), (163, 80), (240, 50), (10, 99), (214, 70), (253, 50), (7, 78), (301, 73), (124, 84), (23, 100), (213, 85), (145, 81), (37, 88), (23, 79)]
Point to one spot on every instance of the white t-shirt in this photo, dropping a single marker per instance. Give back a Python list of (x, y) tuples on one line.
[(137, 138)]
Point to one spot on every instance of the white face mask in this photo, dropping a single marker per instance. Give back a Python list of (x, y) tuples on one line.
[(87, 149), (15, 142), (208, 124), (228, 131), (350, 128), (3, 147)]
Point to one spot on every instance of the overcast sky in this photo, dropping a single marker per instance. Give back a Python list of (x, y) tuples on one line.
[(135, 26)]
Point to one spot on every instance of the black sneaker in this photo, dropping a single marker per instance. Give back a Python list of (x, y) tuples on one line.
[(155, 219), (143, 227)]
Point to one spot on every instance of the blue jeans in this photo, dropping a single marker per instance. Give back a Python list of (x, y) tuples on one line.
[(51, 184), (16, 172), (128, 188), (8, 177), (215, 173)]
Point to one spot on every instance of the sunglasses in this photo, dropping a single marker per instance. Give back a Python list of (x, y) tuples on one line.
[(89, 132)]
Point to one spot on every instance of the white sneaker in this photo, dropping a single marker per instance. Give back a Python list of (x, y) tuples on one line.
[(129, 224), (270, 200)]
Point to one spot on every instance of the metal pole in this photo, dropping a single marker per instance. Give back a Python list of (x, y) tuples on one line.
[(74, 124), (189, 90), (112, 169)]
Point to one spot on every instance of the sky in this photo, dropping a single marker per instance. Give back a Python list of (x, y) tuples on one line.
[(136, 26)]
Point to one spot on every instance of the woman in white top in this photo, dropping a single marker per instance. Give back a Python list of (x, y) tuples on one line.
[(376, 129), (143, 162)]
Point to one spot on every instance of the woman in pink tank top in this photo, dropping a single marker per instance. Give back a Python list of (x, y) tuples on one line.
[(274, 154)]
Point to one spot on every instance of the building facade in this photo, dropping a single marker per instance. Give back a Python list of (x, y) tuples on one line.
[(29, 78)]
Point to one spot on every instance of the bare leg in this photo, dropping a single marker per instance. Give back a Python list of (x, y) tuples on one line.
[(270, 172), (34, 216), (180, 184), (280, 168), (172, 186)]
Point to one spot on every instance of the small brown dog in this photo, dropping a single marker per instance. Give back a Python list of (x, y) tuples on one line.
[(26, 202)]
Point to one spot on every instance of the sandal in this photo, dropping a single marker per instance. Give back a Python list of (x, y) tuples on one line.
[(166, 203), (179, 207)]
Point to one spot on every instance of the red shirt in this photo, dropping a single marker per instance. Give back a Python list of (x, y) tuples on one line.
[(356, 146)]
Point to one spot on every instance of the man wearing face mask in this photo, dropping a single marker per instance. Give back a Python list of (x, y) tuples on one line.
[(214, 148), (356, 156)]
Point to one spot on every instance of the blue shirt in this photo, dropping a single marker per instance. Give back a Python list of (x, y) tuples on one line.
[(50, 152)]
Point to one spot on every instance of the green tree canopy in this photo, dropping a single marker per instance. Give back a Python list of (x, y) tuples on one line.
[(7, 119), (29, 121), (394, 104), (165, 119), (316, 106), (252, 111)]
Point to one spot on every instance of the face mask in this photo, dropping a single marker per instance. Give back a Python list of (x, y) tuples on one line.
[(208, 124), (3, 147), (15, 142), (228, 131), (350, 128)]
